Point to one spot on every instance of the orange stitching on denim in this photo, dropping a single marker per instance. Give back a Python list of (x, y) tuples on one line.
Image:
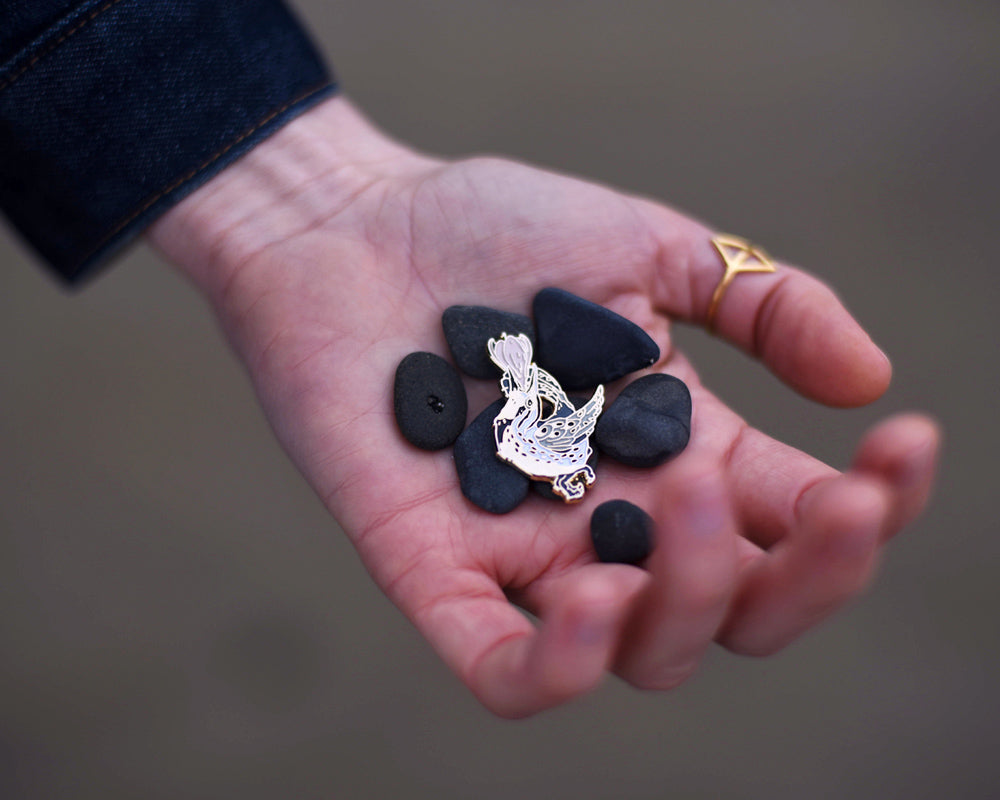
[(189, 175), (6, 84)]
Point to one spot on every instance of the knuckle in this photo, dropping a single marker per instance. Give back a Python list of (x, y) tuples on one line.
[(780, 296)]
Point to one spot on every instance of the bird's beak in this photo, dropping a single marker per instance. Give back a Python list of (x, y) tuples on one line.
[(508, 412)]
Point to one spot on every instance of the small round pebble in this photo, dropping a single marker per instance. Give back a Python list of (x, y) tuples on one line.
[(467, 329), (649, 422), (429, 400), (486, 481), (583, 344), (622, 533)]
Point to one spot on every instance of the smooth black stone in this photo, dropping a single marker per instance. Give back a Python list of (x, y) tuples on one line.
[(487, 481), (649, 422), (583, 344), (622, 533), (429, 401), (467, 329), (544, 488)]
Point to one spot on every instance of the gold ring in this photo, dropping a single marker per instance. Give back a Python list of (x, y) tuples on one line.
[(739, 256)]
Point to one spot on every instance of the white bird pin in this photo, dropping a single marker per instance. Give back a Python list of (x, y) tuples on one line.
[(538, 430)]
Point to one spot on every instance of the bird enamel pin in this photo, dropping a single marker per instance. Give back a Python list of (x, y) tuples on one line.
[(538, 430)]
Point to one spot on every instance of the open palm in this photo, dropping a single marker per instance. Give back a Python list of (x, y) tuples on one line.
[(327, 270)]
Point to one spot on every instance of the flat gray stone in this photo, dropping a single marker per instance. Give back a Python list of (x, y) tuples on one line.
[(429, 401), (621, 532), (583, 344), (467, 329), (649, 422), (486, 481)]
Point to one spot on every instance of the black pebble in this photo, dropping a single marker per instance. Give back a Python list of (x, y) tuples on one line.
[(429, 401), (467, 329), (583, 344), (544, 488), (648, 423), (487, 481), (622, 533)]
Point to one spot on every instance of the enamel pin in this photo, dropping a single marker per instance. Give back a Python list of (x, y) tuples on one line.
[(539, 431)]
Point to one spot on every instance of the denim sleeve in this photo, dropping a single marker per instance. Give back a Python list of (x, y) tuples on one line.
[(111, 111)]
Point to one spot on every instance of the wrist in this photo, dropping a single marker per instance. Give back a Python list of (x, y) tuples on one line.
[(303, 174)]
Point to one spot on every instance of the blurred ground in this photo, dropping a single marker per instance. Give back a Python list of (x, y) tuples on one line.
[(179, 618)]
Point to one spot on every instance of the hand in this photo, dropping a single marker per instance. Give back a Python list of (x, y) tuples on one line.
[(330, 252)]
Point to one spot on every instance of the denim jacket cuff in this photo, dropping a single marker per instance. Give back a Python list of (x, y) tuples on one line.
[(120, 108)]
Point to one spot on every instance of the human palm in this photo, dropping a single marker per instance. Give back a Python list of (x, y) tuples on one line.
[(325, 279)]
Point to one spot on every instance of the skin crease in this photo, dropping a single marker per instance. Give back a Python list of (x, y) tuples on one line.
[(329, 253)]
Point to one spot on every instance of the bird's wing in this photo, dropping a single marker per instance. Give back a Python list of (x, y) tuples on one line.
[(561, 434), (549, 388)]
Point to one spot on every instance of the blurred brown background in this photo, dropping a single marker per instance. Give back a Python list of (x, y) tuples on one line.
[(179, 617)]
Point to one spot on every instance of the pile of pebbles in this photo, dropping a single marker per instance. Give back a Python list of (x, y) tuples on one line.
[(582, 345)]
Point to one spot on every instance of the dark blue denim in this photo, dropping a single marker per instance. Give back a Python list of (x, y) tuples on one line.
[(111, 111)]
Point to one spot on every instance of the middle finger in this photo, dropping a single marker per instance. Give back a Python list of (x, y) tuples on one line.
[(693, 570)]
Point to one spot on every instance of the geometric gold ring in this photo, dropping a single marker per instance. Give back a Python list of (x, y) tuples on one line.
[(739, 256)]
